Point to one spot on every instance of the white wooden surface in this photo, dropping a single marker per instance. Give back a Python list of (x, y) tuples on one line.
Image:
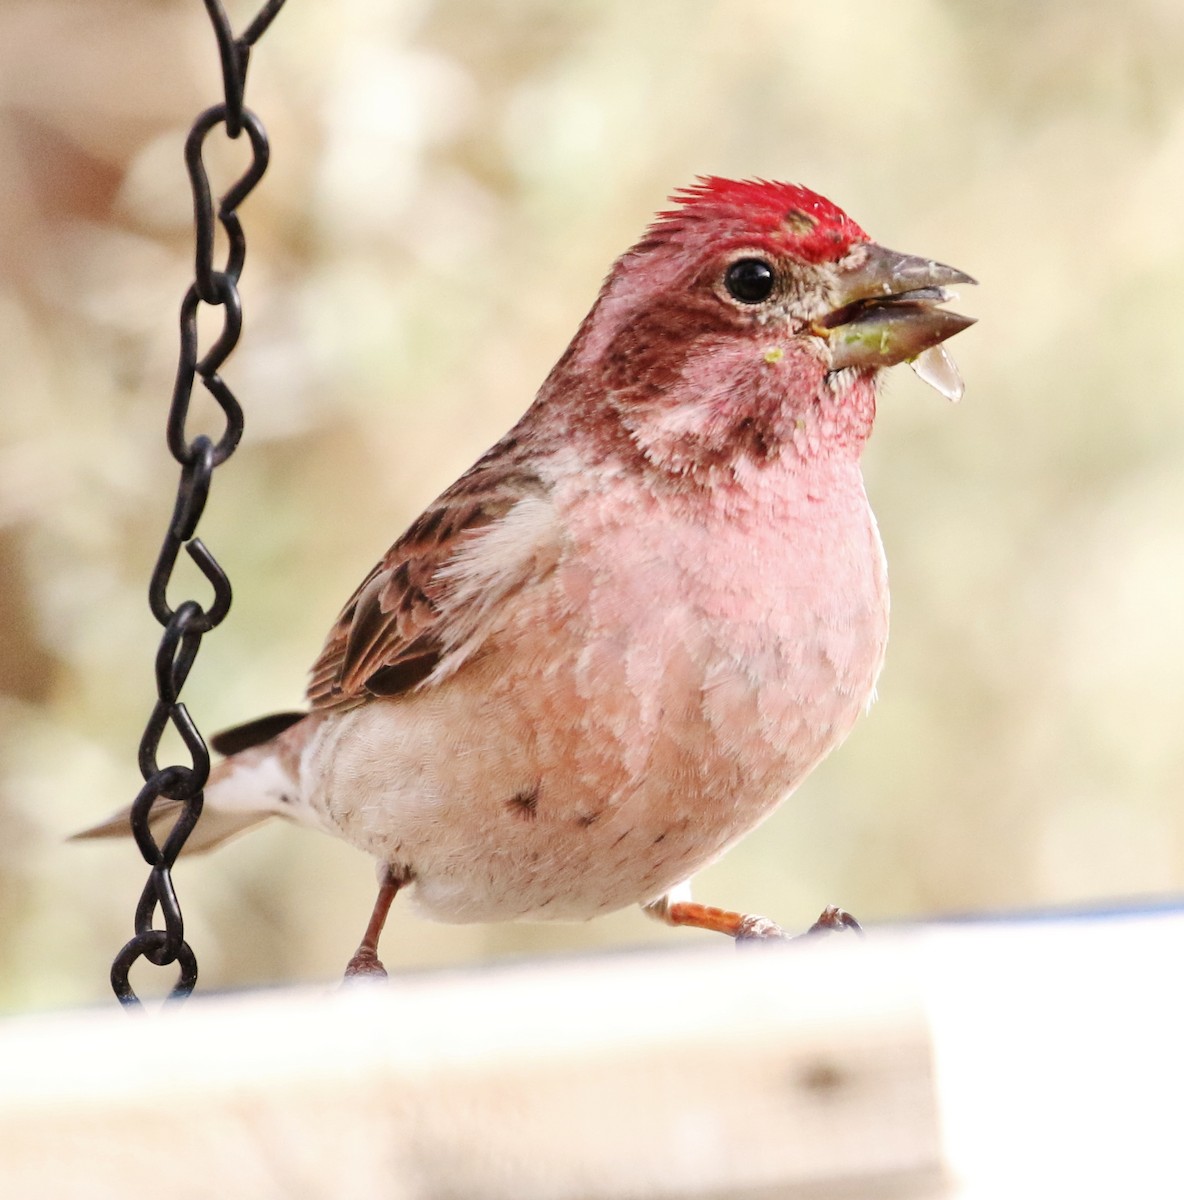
[(1012, 1061)]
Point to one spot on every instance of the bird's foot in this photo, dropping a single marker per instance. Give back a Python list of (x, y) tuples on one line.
[(744, 928), (832, 919), (365, 964)]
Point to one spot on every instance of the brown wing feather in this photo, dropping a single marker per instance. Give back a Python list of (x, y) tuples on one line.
[(392, 633)]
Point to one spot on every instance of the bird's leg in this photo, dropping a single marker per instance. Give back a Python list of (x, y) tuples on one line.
[(365, 961), (721, 920), (742, 927)]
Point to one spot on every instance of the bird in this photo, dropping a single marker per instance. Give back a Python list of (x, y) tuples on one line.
[(635, 625)]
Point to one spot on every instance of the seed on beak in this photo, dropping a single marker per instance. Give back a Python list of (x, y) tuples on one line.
[(935, 367)]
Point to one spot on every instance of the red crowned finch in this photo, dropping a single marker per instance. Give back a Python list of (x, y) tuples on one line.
[(633, 627)]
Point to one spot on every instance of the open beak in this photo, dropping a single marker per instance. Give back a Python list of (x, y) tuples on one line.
[(888, 313)]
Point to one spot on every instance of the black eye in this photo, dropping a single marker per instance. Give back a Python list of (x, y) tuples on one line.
[(750, 280)]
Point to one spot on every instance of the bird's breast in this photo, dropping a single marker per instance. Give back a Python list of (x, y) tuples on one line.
[(768, 599), (722, 645)]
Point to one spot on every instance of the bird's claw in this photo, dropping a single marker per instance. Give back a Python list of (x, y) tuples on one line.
[(365, 965), (832, 919)]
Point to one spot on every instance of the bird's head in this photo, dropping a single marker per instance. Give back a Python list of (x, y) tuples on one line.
[(754, 316)]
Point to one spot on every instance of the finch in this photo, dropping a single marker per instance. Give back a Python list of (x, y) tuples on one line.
[(630, 630)]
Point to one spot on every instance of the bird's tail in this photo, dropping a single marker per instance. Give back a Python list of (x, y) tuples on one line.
[(250, 787)]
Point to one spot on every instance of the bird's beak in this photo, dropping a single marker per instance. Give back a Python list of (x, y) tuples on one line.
[(888, 309)]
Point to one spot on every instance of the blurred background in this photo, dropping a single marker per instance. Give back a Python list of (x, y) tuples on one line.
[(450, 181)]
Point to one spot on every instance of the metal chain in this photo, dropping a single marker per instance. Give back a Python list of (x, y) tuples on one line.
[(185, 625)]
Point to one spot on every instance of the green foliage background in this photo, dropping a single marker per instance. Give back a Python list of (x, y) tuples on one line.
[(450, 181)]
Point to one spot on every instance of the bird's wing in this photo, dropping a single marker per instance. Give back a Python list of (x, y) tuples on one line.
[(438, 592)]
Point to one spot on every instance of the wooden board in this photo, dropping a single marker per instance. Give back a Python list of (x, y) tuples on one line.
[(797, 1072)]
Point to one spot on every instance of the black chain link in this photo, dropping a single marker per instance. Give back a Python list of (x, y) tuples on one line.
[(185, 625)]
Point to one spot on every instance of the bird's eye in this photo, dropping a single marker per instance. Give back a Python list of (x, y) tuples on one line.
[(750, 280)]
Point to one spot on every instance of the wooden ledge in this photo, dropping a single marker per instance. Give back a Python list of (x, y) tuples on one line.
[(928, 1063)]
